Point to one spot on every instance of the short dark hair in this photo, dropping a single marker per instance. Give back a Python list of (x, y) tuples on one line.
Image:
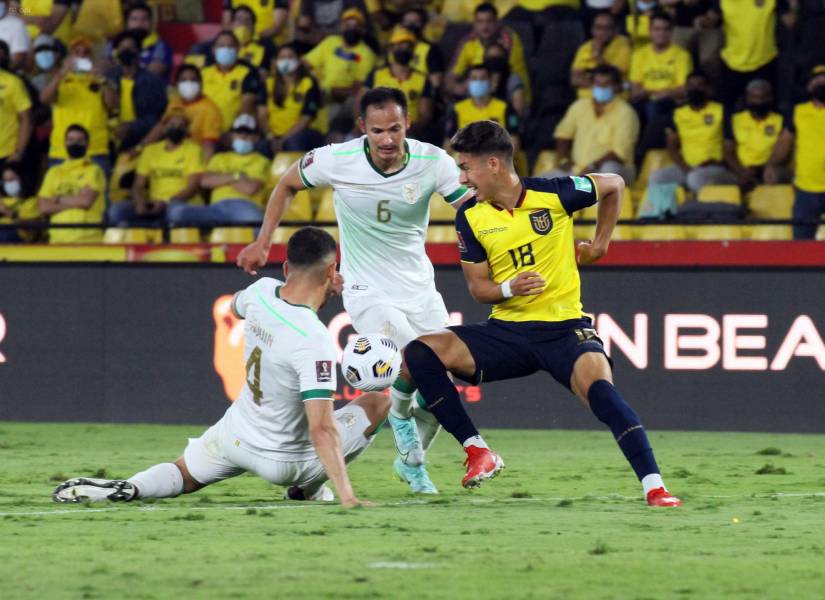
[(77, 127), (661, 15), (609, 71), (309, 246), (700, 74), (380, 96), (478, 67), (244, 7), (483, 137), (487, 7), (136, 35), (139, 6), (188, 67)]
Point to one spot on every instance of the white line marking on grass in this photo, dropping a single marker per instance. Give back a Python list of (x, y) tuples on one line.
[(400, 565), (83, 510)]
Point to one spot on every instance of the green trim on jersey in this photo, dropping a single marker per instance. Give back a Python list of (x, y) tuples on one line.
[(278, 296), (348, 152), (425, 156), (456, 194), (279, 316), (379, 171), (316, 394), (304, 178)]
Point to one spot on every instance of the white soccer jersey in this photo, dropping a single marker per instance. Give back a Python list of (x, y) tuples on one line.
[(383, 218), (290, 359)]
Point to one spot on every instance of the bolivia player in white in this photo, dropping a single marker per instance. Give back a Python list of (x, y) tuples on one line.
[(382, 185), (282, 427)]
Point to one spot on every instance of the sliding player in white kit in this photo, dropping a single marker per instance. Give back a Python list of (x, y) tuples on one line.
[(382, 185), (282, 427)]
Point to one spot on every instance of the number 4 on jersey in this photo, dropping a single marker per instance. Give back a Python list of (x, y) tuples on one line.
[(253, 369)]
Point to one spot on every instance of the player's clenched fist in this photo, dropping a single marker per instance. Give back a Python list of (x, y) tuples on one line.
[(252, 257), (590, 253), (528, 283)]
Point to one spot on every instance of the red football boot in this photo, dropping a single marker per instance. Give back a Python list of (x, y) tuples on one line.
[(661, 497), (482, 464)]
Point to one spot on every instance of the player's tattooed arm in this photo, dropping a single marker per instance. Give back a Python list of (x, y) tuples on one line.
[(610, 190), (485, 290)]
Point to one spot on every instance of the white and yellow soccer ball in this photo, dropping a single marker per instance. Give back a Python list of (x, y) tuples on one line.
[(371, 362)]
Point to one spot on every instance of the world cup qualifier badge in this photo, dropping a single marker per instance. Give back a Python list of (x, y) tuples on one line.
[(541, 222), (323, 371), (308, 158)]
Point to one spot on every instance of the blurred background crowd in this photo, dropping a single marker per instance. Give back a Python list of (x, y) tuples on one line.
[(184, 114)]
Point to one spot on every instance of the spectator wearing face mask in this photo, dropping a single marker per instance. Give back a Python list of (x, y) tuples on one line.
[(168, 171), (238, 180), (750, 135), (14, 33), (507, 85), (694, 142), (155, 54), (74, 192), (232, 84), (15, 112), (141, 94), (597, 134), (427, 57), (48, 54), (803, 137), (292, 118), (79, 94), (606, 47), (482, 106), (399, 74), (258, 52), (270, 16), (16, 208), (341, 64)]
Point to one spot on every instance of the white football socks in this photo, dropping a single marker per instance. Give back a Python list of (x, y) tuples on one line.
[(161, 481), (400, 403), (428, 425), (651, 482), (477, 441)]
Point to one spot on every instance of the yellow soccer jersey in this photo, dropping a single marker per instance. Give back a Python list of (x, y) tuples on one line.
[(226, 89), (471, 53), (535, 236), (127, 106), (754, 139), (264, 11), (656, 71), (205, 120), (303, 100), (700, 132), (253, 165), (67, 179), (80, 100), (168, 171), (808, 123), (750, 33), (617, 53), (13, 100), (415, 87), (337, 66)]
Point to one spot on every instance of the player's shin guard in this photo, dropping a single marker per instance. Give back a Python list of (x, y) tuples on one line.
[(161, 481), (439, 393), (428, 425), (612, 410)]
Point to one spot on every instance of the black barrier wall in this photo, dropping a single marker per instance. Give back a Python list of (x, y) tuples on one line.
[(716, 349)]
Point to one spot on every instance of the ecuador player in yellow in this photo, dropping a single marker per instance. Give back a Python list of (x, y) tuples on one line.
[(517, 253)]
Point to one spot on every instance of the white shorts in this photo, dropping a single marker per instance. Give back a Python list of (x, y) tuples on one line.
[(218, 455), (401, 326)]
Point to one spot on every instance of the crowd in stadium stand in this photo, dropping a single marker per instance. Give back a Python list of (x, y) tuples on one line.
[(119, 129)]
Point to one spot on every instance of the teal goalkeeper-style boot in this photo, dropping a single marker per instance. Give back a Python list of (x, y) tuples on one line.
[(416, 476)]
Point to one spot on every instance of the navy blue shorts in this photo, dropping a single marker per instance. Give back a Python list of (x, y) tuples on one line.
[(508, 349)]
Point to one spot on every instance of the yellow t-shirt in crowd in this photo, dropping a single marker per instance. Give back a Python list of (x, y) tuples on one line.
[(302, 100), (67, 179), (808, 124), (14, 99), (656, 71), (750, 33), (617, 53), (754, 138), (43, 8), (700, 132), (80, 101), (205, 120), (472, 53), (338, 66), (253, 165), (168, 171), (415, 87), (26, 210), (225, 89), (467, 111), (264, 11), (127, 106), (615, 130), (638, 28)]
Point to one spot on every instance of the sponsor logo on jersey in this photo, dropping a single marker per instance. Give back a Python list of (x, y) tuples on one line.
[(323, 371), (770, 130), (411, 192), (541, 222), (308, 158), (708, 119), (582, 184), (483, 232)]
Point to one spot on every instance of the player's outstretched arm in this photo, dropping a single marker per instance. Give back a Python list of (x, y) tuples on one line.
[(483, 289), (327, 443), (255, 254), (611, 192)]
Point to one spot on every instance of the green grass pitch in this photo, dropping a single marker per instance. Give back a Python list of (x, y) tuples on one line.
[(564, 520)]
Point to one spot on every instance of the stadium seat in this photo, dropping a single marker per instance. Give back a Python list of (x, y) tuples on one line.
[(281, 162), (282, 234), (771, 202), (300, 209), (545, 161), (333, 231), (716, 232), (440, 210), (132, 235), (326, 207), (441, 234), (232, 235), (621, 232), (660, 232), (114, 235), (185, 235), (720, 193), (654, 159)]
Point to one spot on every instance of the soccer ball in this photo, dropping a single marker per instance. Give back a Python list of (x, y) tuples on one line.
[(371, 362)]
